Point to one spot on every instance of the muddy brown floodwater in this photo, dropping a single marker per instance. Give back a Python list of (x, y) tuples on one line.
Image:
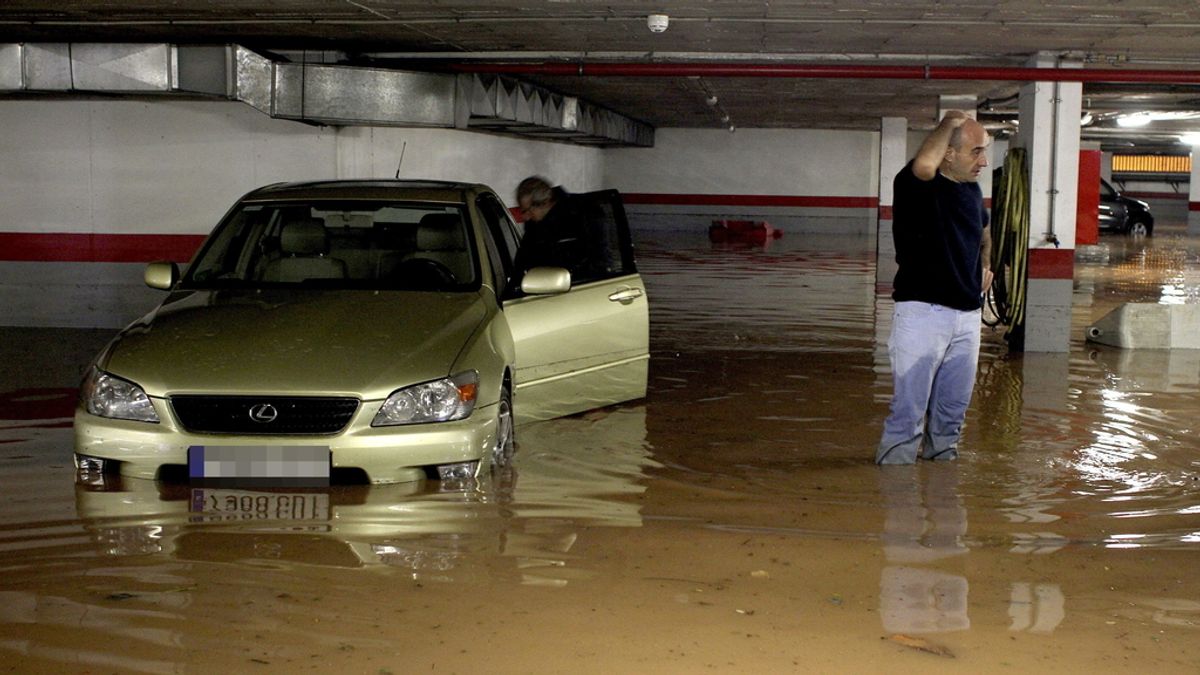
[(731, 522)]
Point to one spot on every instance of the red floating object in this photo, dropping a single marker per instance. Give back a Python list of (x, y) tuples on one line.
[(758, 231)]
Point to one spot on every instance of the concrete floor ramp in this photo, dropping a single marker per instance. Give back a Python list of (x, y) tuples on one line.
[(1147, 325)]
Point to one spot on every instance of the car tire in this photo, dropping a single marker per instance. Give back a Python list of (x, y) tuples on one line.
[(505, 446), (1140, 228)]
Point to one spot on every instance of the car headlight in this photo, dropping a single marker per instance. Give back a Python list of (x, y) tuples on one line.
[(450, 398), (107, 395)]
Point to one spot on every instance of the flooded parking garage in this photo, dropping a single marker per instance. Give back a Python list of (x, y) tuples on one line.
[(731, 522)]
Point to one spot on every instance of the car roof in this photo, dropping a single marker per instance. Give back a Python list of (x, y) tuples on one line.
[(421, 190)]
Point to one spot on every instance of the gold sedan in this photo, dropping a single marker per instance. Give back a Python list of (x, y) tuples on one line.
[(371, 330)]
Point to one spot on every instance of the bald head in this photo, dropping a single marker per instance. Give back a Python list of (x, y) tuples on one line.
[(966, 156)]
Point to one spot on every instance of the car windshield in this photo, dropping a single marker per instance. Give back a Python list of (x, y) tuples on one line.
[(340, 244)]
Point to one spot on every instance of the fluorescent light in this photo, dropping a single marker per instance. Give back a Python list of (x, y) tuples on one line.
[(1133, 120), (1141, 119)]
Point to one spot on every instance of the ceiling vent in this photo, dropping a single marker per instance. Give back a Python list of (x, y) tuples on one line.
[(319, 93)]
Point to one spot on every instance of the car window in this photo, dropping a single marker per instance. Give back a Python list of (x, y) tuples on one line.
[(616, 243), (502, 238), (1106, 189), (340, 244)]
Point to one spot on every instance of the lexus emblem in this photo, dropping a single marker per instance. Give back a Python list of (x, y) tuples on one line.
[(263, 413)]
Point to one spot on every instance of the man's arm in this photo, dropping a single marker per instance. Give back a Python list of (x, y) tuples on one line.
[(933, 150), (985, 255)]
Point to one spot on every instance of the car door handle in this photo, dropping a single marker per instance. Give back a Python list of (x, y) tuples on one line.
[(626, 295)]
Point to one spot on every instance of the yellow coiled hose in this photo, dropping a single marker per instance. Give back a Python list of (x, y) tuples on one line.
[(1010, 244)]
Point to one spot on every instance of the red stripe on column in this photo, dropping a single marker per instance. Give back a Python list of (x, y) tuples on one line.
[(749, 200), (1193, 206), (71, 247), (1051, 263)]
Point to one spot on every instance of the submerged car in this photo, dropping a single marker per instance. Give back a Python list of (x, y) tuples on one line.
[(376, 329), (1124, 215)]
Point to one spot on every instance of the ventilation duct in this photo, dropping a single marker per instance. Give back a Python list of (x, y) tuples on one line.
[(504, 105), (316, 92)]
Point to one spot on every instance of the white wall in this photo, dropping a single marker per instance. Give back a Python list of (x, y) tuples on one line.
[(168, 167), (174, 167), (805, 168), (440, 154), (749, 161), (143, 167), (171, 167)]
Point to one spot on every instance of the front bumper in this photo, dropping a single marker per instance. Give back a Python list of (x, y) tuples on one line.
[(386, 454)]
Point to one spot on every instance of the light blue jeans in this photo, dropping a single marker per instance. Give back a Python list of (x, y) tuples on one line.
[(934, 352)]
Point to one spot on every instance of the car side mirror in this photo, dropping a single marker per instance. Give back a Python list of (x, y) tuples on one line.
[(546, 281), (162, 275)]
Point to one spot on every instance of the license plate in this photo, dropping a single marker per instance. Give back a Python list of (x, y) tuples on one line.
[(214, 505), (280, 464)]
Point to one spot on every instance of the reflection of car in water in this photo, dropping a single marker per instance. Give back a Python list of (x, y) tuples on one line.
[(577, 472), (1122, 214), (361, 328)]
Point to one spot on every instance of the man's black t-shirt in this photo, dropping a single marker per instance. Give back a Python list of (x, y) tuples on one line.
[(938, 228)]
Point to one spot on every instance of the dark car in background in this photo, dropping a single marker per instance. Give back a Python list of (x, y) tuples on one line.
[(1122, 214)]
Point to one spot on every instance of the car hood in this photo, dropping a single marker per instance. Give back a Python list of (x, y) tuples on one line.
[(1130, 201), (337, 342)]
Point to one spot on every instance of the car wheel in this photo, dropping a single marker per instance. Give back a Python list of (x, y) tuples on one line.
[(502, 452), (1139, 228)]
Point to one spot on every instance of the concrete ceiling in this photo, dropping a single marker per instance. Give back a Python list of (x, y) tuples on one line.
[(1127, 36)]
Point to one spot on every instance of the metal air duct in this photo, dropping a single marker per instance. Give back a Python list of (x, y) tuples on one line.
[(319, 93)]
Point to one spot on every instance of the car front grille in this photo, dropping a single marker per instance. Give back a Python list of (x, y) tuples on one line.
[(264, 415)]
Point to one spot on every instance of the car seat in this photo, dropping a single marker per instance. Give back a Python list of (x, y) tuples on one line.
[(304, 246)]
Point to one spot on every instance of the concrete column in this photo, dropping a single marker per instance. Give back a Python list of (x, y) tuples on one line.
[(1193, 219), (1050, 114), (893, 154)]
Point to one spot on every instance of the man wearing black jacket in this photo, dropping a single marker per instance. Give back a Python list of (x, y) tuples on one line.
[(561, 230)]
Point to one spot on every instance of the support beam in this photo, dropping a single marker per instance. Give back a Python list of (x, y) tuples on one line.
[(1050, 114), (1193, 219)]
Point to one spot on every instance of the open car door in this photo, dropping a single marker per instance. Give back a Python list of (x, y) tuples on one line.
[(589, 346)]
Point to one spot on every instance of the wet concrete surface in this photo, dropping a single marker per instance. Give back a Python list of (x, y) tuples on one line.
[(731, 522)]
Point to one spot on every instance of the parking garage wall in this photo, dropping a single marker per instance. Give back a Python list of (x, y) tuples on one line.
[(809, 181), (91, 190)]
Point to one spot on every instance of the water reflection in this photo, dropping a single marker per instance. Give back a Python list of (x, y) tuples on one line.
[(569, 473), (924, 522)]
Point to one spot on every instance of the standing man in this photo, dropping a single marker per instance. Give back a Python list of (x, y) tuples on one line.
[(943, 249)]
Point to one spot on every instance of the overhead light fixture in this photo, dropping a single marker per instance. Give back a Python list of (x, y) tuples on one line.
[(1134, 120), (657, 23), (1142, 118)]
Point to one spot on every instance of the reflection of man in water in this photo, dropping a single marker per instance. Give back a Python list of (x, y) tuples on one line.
[(922, 527), (561, 230)]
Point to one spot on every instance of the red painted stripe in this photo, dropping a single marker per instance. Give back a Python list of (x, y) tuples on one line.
[(1193, 206), (1052, 263), (38, 404), (749, 200), (69, 247)]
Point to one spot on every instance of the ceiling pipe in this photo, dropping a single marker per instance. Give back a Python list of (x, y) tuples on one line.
[(834, 71)]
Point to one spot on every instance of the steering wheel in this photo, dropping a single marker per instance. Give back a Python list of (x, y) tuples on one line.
[(426, 274)]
